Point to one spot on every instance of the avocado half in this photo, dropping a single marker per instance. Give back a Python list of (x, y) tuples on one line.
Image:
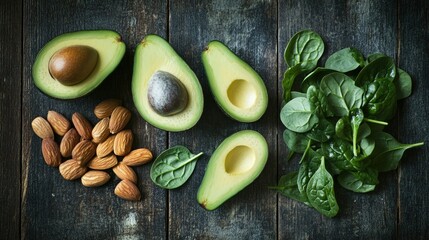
[(236, 163), (110, 49), (236, 87), (152, 55)]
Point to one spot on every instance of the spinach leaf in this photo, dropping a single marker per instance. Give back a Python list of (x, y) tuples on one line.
[(360, 181), (341, 93), (297, 116), (380, 99), (322, 132), (339, 154), (356, 118), (288, 187), (345, 60), (288, 79), (403, 84), (295, 94), (296, 142), (367, 146), (343, 130), (373, 57), (307, 168), (320, 191), (382, 67), (304, 46), (315, 77), (388, 152), (318, 102), (173, 167)]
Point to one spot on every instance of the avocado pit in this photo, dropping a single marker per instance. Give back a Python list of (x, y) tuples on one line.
[(166, 94), (239, 160), (242, 94), (73, 64)]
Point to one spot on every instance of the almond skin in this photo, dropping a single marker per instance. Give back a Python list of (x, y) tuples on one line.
[(69, 141), (119, 119), (127, 190), (71, 170), (83, 152), (51, 152), (106, 147), (123, 143), (59, 123), (123, 172), (82, 125), (42, 128), (101, 132), (105, 108), (138, 157), (94, 178), (103, 163)]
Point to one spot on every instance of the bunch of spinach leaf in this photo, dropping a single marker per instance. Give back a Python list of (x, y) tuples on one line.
[(336, 121)]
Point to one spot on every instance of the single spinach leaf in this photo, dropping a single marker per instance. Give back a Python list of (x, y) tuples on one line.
[(314, 77), (320, 191), (318, 102), (288, 79), (288, 187), (380, 99), (345, 60), (382, 67), (297, 142), (341, 93), (388, 152), (360, 181), (339, 154), (304, 46), (295, 94), (403, 84), (297, 116), (373, 57), (307, 168), (356, 119), (343, 130), (173, 167), (367, 146), (322, 132)]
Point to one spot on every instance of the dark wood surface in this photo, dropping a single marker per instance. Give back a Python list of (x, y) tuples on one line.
[(36, 203)]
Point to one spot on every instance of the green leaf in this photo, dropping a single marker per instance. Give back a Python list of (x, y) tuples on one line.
[(356, 119), (345, 60), (297, 142), (307, 168), (360, 181), (288, 187), (318, 102), (388, 152), (380, 99), (322, 132), (320, 191), (304, 46), (297, 116), (341, 93), (315, 77), (373, 57), (403, 84), (173, 167), (382, 67)]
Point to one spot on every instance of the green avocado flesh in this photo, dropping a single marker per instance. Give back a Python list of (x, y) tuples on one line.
[(110, 51), (236, 163), (154, 55), (236, 87)]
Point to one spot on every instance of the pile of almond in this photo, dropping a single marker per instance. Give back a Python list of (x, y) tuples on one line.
[(87, 152)]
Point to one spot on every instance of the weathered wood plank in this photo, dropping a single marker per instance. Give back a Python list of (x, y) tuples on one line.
[(10, 117), (413, 124), (369, 26), (249, 29), (52, 207)]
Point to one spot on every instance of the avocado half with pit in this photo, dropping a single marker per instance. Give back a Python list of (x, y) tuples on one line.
[(166, 92), (73, 64), (236, 163), (237, 88)]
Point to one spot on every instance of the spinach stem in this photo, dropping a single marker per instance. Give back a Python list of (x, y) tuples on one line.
[(306, 150), (375, 121)]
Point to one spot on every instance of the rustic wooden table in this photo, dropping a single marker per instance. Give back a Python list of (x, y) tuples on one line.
[(36, 203)]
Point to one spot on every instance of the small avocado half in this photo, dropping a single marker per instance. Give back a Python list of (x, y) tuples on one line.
[(166, 92), (109, 49), (236, 163), (236, 87)]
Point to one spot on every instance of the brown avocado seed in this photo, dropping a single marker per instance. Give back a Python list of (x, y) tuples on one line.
[(166, 94), (71, 65)]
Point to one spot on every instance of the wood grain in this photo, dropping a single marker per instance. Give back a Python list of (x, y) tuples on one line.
[(249, 30), (10, 118)]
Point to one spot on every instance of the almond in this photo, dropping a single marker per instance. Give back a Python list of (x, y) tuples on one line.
[(71, 170), (105, 108), (138, 157), (82, 125), (123, 143), (83, 152), (94, 178), (127, 190), (42, 128), (51, 152), (100, 132), (119, 119), (69, 141), (103, 163), (106, 147), (123, 172), (59, 123)]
